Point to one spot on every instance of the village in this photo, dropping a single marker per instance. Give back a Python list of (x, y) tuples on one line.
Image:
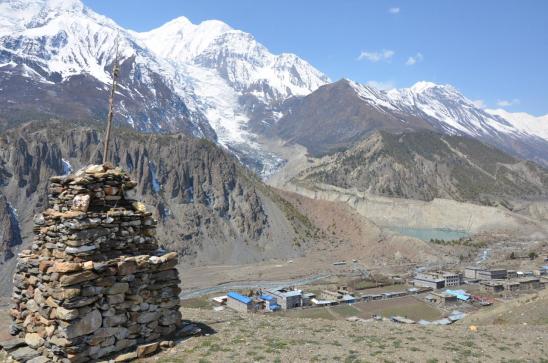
[(425, 297)]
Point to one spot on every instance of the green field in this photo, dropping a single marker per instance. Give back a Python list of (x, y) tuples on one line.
[(407, 307), (311, 313)]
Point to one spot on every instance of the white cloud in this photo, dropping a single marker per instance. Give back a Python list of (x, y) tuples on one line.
[(394, 10), (384, 85), (479, 103), (506, 103), (385, 54), (414, 59)]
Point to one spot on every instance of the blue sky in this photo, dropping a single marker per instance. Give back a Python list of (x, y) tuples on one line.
[(495, 52)]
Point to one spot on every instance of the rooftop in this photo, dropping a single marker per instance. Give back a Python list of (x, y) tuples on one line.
[(241, 298)]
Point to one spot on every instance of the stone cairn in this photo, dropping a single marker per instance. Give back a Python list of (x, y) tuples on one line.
[(94, 284)]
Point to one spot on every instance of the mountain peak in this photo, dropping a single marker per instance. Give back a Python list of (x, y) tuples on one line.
[(180, 21), (33, 7), (422, 86), (181, 40), (426, 86)]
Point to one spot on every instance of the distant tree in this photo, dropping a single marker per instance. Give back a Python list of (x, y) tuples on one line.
[(513, 256), (533, 255)]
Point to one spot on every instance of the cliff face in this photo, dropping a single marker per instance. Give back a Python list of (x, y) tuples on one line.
[(10, 235), (210, 209)]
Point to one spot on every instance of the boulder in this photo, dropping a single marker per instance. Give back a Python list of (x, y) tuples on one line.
[(85, 325), (81, 202), (95, 169), (65, 267), (81, 249), (40, 359), (34, 340), (11, 344), (147, 349), (139, 207), (67, 314), (117, 288), (24, 354), (78, 277), (148, 317), (126, 357)]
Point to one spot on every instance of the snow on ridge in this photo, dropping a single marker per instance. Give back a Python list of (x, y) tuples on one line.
[(524, 122), (236, 55), (180, 39), (452, 111), (371, 94)]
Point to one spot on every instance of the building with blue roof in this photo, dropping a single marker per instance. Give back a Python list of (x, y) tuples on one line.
[(459, 294), (286, 298), (271, 302), (239, 302)]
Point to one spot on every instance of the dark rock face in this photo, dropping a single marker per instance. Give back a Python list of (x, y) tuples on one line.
[(82, 97), (210, 209), (339, 118), (10, 234), (425, 165)]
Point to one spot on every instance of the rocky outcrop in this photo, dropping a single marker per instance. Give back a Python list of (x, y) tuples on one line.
[(10, 235), (210, 209), (425, 165)]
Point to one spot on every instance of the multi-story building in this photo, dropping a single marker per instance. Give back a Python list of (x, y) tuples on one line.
[(451, 278), (287, 299), (493, 274), (433, 281), (479, 273)]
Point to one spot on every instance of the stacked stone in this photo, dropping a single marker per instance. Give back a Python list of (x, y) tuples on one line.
[(94, 283)]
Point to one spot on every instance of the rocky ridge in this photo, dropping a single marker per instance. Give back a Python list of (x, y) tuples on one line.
[(210, 209), (344, 113), (10, 235), (424, 165)]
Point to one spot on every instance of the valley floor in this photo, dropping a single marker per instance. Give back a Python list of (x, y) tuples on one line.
[(268, 338), (507, 332)]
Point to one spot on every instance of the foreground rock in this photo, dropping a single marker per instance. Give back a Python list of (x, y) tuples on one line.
[(94, 283)]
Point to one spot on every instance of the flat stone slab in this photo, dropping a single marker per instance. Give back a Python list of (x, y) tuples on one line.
[(11, 344), (40, 359), (24, 354)]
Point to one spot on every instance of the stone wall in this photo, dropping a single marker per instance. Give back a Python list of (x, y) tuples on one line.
[(95, 282)]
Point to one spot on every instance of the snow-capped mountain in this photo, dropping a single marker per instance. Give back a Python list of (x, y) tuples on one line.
[(445, 107), (238, 81), (244, 63), (55, 60), (210, 80), (525, 122), (449, 111), (440, 107), (206, 79)]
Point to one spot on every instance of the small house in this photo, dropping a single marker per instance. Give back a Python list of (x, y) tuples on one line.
[(530, 283), (239, 302), (492, 286), (440, 297), (287, 298)]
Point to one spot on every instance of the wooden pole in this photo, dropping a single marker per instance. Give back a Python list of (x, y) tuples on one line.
[(115, 72)]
